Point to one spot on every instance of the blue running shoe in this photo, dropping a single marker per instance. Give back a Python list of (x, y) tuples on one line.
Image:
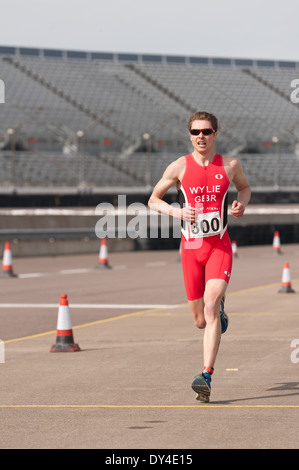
[(202, 385), (223, 317)]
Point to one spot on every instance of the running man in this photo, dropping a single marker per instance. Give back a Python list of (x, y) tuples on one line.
[(202, 179)]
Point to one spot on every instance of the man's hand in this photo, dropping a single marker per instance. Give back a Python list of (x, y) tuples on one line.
[(188, 214), (237, 209)]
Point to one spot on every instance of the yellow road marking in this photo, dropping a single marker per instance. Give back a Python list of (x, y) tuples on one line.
[(265, 286), (83, 325), (201, 405), (141, 312), (265, 314)]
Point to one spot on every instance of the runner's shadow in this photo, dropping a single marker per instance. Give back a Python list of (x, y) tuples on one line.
[(284, 386)]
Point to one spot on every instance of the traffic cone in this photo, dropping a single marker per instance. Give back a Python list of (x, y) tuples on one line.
[(103, 255), (235, 249), (286, 279), (276, 243), (64, 336), (7, 269)]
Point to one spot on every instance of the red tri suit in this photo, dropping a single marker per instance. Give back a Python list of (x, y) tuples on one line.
[(206, 250)]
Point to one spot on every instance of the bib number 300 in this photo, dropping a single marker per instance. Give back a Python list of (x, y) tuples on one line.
[(206, 225)]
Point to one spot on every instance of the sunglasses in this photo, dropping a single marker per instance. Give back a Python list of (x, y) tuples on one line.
[(204, 131)]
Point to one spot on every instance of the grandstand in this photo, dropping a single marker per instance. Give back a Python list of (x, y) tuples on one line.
[(102, 122)]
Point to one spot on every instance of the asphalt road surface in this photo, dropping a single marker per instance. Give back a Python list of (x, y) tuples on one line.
[(130, 385)]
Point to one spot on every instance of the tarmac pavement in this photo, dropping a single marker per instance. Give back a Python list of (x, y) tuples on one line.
[(130, 385)]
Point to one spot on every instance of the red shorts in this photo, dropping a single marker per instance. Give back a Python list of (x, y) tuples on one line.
[(204, 259)]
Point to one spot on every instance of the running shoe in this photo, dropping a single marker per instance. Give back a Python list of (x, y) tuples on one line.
[(202, 385), (223, 317)]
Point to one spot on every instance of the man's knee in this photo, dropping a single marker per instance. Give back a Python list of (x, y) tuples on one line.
[(197, 309), (200, 322), (212, 308)]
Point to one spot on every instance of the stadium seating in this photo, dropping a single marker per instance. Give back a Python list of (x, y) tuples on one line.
[(108, 120)]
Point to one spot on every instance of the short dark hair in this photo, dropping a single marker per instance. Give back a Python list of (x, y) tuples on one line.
[(204, 116)]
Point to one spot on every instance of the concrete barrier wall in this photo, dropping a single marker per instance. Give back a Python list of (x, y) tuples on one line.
[(39, 232)]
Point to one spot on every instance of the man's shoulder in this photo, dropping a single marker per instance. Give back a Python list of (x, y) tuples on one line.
[(180, 160), (232, 162), (178, 163), (232, 166), (226, 159), (175, 170)]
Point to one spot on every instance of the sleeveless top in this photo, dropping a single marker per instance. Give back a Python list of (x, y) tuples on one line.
[(205, 188)]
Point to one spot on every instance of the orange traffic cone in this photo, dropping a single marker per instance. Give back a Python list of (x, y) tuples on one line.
[(276, 243), (286, 279), (235, 249), (103, 255), (7, 270), (64, 336)]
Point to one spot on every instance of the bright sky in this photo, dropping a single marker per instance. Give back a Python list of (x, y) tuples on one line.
[(257, 29)]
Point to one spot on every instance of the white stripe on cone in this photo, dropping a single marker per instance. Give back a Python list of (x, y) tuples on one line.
[(64, 318)]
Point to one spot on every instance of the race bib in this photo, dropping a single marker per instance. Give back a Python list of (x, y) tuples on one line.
[(205, 225)]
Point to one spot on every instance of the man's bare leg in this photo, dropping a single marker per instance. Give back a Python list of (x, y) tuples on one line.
[(197, 309), (215, 290), (206, 313)]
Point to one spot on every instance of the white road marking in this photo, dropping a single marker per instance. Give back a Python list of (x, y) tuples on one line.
[(89, 306), (75, 271), (84, 270), (154, 264)]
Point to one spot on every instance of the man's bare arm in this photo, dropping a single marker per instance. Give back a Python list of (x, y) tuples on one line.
[(244, 191), (170, 177)]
